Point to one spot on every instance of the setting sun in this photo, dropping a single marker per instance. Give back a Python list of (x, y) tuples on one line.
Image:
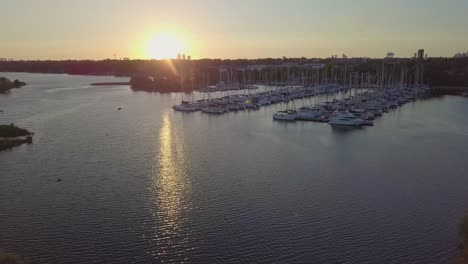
[(165, 46)]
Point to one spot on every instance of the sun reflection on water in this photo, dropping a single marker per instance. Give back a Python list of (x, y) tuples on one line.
[(170, 194)]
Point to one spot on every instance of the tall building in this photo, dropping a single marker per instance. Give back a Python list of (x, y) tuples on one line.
[(178, 56), (421, 54)]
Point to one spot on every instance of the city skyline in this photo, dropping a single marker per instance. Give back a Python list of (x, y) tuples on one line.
[(144, 29)]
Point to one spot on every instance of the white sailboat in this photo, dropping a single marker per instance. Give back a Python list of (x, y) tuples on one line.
[(186, 106), (288, 115)]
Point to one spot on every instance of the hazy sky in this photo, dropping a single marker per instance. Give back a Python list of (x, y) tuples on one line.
[(96, 29)]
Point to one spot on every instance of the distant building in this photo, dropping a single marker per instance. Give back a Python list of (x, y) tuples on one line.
[(183, 56), (178, 56), (421, 54), (189, 57)]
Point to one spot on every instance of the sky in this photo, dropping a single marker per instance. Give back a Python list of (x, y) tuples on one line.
[(99, 29)]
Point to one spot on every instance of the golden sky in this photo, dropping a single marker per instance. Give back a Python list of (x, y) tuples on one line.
[(89, 29)]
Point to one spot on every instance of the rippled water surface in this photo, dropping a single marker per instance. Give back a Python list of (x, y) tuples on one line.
[(150, 185)]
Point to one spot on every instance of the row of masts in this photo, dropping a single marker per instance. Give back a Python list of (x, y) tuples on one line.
[(232, 80), (389, 76)]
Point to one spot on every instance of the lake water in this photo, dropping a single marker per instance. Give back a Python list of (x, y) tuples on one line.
[(150, 185)]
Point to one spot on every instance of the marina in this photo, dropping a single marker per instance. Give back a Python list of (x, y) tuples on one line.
[(362, 108), (361, 96)]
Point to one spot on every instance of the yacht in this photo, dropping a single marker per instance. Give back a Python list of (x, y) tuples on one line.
[(309, 114), (289, 115), (185, 107), (346, 119)]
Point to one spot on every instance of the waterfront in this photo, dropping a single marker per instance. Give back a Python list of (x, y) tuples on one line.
[(149, 184)]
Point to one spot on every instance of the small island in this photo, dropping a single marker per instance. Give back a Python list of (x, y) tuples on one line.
[(12, 136), (6, 84), (160, 84)]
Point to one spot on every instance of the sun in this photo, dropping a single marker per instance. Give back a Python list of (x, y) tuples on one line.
[(165, 46)]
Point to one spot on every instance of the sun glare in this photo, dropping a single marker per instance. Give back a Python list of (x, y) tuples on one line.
[(165, 46)]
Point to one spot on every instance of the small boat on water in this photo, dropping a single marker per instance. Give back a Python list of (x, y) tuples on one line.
[(309, 114), (185, 107), (214, 110), (346, 119), (288, 115)]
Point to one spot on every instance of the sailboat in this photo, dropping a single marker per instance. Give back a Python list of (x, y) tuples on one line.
[(289, 114), (185, 106), (311, 113)]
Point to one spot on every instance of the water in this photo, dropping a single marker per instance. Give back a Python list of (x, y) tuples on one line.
[(150, 185)]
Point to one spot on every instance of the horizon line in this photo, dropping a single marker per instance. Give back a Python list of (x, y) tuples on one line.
[(222, 59)]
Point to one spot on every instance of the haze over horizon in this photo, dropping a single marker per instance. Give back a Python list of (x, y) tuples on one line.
[(53, 29)]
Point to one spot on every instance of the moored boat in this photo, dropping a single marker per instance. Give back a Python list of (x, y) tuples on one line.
[(214, 110), (288, 115), (345, 119)]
